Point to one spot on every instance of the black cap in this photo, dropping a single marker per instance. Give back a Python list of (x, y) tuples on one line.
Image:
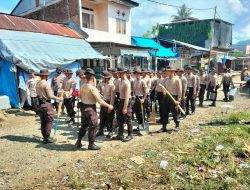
[(112, 70), (121, 70), (138, 71), (144, 70), (58, 69), (79, 72), (90, 71), (106, 74), (44, 72), (68, 71), (30, 71), (170, 68)]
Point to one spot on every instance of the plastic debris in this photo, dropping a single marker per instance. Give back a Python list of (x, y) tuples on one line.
[(66, 177), (150, 153), (163, 164), (244, 165), (219, 147), (138, 160)]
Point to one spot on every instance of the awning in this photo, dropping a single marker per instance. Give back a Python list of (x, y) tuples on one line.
[(135, 53), (159, 51), (37, 51), (189, 45)]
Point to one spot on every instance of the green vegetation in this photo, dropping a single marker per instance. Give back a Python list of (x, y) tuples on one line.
[(216, 158), (182, 13)]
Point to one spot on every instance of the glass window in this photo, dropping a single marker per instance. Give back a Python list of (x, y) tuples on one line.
[(120, 26), (87, 18)]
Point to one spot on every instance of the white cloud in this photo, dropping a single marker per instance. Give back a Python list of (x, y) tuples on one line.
[(242, 34), (237, 6)]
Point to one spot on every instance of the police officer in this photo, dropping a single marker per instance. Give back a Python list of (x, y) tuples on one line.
[(203, 85), (180, 73), (69, 85), (159, 94), (81, 74), (56, 85), (124, 109), (140, 92), (213, 86), (191, 90), (106, 117), (196, 74), (173, 86), (89, 95), (31, 90), (45, 108), (147, 102), (226, 82)]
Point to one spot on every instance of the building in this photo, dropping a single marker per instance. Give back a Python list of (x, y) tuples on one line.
[(33, 44), (107, 23), (199, 32)]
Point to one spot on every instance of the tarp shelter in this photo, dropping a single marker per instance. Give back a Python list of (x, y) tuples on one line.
[(159, 51), (33, 44)]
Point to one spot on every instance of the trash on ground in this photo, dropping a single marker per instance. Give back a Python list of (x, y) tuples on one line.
[(150, 153), (163, 164), (138, 160), (219, 147)]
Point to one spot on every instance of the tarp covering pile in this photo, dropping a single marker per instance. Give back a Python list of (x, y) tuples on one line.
[(160, 51), (29, 50)]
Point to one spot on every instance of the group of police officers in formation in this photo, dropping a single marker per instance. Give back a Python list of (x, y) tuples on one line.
[(122, 95)]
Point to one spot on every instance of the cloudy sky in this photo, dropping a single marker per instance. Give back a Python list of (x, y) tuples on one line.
[(147, 14)]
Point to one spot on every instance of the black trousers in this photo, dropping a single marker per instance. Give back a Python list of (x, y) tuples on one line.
[(169, 106), (208, 91), (190, 99), (46, 114), (35, 104), (147, 104), (160, 102), (138, 110), (211, 89), (202, 93), (70, 104), (124, 118), (226, 90), (89, 122), (106, 118)]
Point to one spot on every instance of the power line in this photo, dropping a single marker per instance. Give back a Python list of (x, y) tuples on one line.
[(190, 8)]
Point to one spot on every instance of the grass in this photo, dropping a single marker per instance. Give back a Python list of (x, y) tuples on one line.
[(193, 162), (233, 118)]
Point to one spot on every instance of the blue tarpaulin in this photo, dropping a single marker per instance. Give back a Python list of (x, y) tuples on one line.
[(8, 83), (161, 52)]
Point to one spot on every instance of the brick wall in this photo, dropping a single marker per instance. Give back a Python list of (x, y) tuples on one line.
[(58, 12)]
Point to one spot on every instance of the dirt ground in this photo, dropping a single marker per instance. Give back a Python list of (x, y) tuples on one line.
[(26, 163)]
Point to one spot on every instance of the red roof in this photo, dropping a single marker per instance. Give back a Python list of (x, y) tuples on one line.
[(8, 22)]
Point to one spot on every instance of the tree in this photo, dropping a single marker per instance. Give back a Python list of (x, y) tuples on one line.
[(182, 13), (153, 33)]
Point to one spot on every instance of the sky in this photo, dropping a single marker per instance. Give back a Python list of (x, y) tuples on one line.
[(148, 14)]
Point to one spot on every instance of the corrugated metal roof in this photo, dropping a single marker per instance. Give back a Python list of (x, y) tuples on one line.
[(8, 22)]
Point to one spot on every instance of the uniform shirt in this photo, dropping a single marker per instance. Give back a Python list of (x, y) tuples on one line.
[(226, 78), (197, 83), (183, 85), (90, 95), (203, 79), (100, 86), (132, 83), (69, 85), (148, 83), (108, 92), (140, 87), (82, 81), (173, 86), (117, 83), (158, 81), (31, 87), (213, 80), (191, 82), (44, 91), (125, 91), (56, 82)]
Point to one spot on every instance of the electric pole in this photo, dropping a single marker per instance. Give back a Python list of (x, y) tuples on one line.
[(212, 37)]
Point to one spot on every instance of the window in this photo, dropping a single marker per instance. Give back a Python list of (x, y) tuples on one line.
[(120, 26), (87, 18)]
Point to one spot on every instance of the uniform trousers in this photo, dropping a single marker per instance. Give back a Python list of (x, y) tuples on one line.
[(106, 118), (46, 114), (169, 106), (70, 104), (226, 90), (190, 99), (35, 103), (138, 109), (124, 118), (202, 93), (89, 121)]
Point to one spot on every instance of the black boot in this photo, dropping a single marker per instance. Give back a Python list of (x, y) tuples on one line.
[(99, 133), (79, 143), (128, 138), (119, 138), (109, 135), (177, 126), (163, 129), (49, 140), (92, 146)]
